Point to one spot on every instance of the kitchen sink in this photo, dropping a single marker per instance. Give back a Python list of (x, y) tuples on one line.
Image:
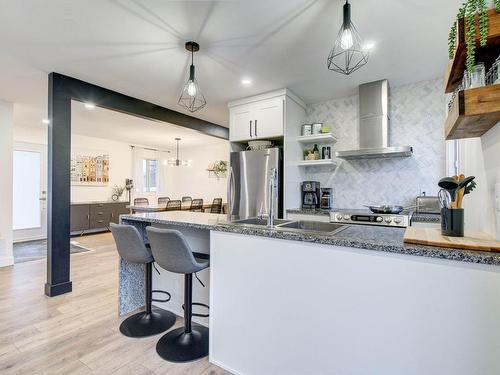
[(315, 226), (258, 221)]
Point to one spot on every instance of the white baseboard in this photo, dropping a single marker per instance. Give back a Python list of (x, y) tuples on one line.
[(26, 239), (223, 366), (6, 261)]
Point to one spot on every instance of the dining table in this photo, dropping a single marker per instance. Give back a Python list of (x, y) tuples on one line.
[(186, 206)]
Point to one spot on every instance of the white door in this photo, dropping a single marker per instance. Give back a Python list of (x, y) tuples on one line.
[(30, 185), (269, 118), (241, 123)]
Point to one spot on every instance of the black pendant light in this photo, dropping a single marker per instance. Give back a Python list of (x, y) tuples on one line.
[(348, 53), (191, 97)]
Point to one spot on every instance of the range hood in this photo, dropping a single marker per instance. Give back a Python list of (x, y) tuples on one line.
[(374, 125)]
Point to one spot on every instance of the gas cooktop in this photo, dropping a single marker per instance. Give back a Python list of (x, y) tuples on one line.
[(366, 217)]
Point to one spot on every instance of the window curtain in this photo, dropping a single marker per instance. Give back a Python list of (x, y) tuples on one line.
[(138, 155), (162, 158)]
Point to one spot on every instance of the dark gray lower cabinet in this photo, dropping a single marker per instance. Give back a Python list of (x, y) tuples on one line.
[(95, 217)]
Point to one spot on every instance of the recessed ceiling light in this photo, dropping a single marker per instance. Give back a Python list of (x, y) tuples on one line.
[(45, 121), (246, 81), (369, 46), (89, 105)]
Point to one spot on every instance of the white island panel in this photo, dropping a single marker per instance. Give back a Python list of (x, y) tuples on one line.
[(291, 307)]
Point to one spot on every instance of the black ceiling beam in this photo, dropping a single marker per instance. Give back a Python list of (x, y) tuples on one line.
[(63, 89)]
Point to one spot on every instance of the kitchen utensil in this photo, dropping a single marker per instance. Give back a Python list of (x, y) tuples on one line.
[(432, 237), (444, 198), (388, 209), (450, 184), (462, 189)]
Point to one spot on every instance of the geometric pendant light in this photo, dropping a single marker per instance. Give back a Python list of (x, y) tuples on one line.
[(191, 97), (348, 53)]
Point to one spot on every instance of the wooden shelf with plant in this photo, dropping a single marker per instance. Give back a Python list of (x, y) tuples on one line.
[(474, 37), (473, 112)]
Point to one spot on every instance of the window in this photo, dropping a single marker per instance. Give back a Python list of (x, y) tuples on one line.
[(149, 170)]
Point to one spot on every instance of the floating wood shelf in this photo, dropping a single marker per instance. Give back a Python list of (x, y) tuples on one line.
[(473, 112), (487, 54), (317, 163), (317, 138)]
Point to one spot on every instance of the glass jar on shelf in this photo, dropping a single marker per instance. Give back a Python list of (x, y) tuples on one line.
[(477, 76)]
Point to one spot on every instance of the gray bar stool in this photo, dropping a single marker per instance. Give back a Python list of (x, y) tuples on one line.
[(132, 249), (173, 253)]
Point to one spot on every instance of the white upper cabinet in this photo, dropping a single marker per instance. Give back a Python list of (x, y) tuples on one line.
[(258, 117)]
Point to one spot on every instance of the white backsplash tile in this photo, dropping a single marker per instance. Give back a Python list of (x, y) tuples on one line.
[(417, 118)]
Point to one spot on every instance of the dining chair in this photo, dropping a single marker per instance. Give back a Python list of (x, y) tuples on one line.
[(141, 202), (174, 205), (216, 207), (186, 199), (163, 200), (196, 205)]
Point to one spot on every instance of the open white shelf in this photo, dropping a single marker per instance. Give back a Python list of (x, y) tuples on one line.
[(316, 163), (317, 138)]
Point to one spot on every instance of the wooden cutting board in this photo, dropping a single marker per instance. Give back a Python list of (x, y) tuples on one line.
[(433, 237)]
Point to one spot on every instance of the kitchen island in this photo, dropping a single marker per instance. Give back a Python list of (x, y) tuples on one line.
[(359, 301)]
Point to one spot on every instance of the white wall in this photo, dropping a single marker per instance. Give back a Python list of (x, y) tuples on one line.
[(119, 161), (6, 156), (194, 181), (480, 157)]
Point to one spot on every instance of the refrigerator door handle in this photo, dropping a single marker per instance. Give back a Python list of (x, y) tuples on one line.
[(230, 193)]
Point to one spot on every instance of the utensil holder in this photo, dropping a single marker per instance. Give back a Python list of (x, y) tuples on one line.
[(452, 222)]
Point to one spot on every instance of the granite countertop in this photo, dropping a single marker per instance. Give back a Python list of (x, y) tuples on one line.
[(308, 211), (200, 220), (367, 237)]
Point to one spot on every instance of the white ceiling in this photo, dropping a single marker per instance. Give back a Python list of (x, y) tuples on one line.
[(103, 123), (137, 47)]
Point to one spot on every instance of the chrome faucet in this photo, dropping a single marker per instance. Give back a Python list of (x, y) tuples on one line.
[(273, 187)]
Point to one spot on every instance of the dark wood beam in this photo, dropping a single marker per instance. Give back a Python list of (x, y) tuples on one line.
[(63, 89)]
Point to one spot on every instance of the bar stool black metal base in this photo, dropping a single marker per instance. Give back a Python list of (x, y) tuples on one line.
[(179, 346), (143, 324)]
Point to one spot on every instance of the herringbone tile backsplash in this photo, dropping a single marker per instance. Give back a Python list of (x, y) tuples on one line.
[(417, 113)]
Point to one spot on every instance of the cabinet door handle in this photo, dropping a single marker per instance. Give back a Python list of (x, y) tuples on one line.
[(250, 128), (255, 128)]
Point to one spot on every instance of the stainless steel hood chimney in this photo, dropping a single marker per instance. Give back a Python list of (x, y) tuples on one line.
[(374, 125)]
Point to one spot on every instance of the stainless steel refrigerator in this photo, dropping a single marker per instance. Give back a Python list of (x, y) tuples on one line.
[(248, 183)]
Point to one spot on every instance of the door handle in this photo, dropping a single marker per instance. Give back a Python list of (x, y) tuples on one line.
[(230, 193), (255, 128), (250, 128)]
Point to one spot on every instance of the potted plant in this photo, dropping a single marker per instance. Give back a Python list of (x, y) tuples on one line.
[(468, 11)]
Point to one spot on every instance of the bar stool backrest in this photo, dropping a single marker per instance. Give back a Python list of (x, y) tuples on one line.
[(163, 200), (141, 201), (196, 205), (129, 244), (216, 206), (186, 199), (172, 252), (173, 205)]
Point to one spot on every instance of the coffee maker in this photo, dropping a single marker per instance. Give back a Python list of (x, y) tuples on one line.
[(310, 194)]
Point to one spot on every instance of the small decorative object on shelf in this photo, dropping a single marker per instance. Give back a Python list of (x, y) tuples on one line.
[(307, 129), (217, 169), (117, 192)]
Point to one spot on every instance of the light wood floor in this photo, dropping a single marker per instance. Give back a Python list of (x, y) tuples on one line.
[(76, 333)]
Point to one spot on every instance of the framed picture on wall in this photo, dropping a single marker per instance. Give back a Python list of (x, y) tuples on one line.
[(89, 168)]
